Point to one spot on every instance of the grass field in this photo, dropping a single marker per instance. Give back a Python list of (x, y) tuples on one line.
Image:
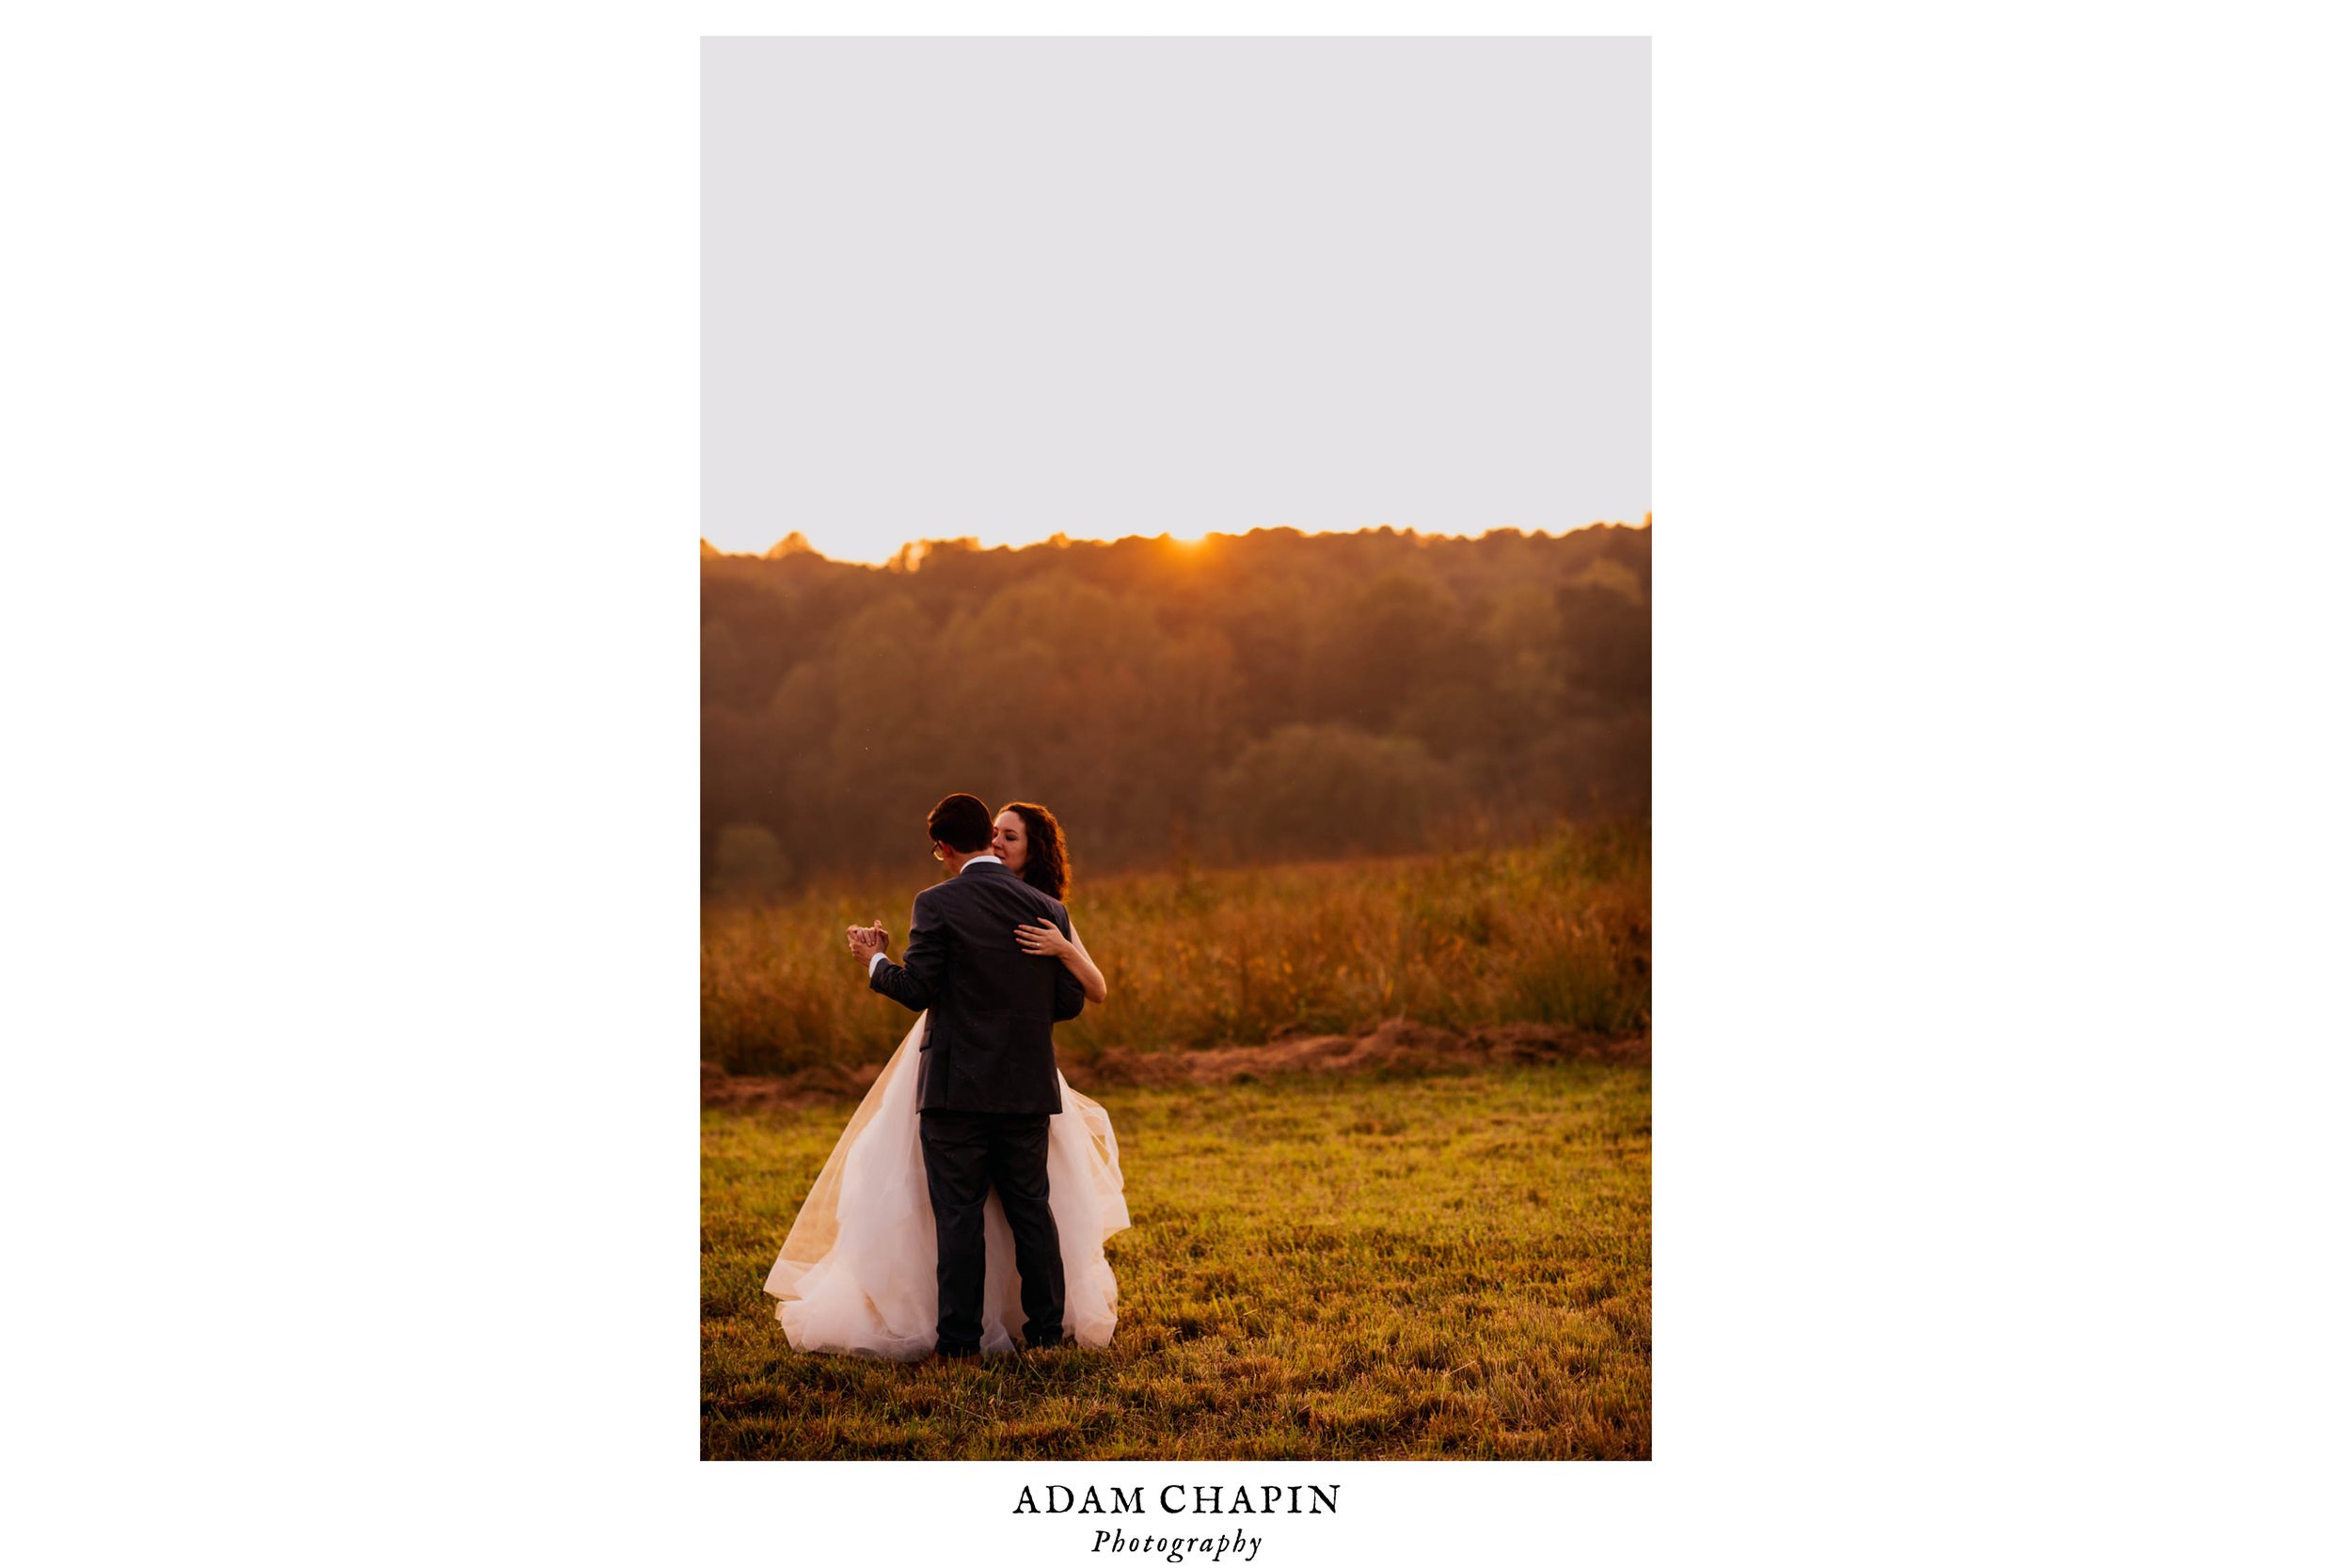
[(1320, 1267), (1554, 932)]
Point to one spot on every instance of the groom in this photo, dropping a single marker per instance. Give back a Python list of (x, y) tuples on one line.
[(985, 1085)]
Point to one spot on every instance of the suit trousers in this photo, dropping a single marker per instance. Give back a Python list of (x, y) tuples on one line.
[(964, 1153)]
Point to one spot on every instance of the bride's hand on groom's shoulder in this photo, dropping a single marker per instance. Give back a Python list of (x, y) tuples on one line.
[(1043, 937)]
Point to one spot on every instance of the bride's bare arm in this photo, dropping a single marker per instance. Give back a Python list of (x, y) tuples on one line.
[(1044, 939)]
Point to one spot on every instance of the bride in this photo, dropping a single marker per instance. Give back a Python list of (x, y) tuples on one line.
[(858, 1272)]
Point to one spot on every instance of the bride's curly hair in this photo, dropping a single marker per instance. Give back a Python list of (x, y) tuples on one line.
[(1047, 869)]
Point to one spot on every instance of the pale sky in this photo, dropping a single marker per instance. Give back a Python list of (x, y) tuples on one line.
[(1013, 287)]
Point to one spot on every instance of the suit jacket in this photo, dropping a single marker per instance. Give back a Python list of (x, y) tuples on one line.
[(989, 1044)]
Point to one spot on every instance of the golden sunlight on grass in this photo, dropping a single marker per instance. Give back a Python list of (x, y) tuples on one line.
[(1554, 932), (1395, 1261), (1320, 1268)]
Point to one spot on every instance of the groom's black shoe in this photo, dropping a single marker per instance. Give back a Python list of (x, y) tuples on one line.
[(1054, 1343), (957, 1353)]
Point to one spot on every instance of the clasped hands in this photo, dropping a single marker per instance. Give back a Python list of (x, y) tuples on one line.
[(866, 940)]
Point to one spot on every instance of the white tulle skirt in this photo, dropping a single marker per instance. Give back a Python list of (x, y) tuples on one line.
[(859, 1271)]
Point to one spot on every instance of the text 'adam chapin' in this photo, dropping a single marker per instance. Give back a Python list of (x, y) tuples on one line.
[(1176, 1498)]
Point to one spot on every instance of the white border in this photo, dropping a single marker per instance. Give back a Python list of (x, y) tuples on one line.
[(351, 384)]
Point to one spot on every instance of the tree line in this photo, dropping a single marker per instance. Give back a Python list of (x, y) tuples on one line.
[(1271, 695)]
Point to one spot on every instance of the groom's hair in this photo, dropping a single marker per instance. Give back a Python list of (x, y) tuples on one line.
[(962, 824)]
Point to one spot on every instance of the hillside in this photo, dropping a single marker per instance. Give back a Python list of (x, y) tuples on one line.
[(1269, 696)]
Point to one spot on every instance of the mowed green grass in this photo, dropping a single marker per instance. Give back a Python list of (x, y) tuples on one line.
[(1340, 1268)]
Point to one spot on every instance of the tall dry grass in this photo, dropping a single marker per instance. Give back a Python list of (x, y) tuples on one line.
[(1554, 932)]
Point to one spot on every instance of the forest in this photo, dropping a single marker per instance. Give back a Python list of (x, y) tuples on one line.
[(1269, 696)]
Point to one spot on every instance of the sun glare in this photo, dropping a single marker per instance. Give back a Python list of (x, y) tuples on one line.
[(854, 544)]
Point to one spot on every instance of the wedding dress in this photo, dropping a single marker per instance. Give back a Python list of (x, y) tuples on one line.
[(859, 1271)]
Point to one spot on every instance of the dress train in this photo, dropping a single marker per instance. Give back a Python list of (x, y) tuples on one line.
[(859, 1270)]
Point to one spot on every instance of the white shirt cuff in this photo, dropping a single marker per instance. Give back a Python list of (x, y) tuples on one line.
[(872, 963)]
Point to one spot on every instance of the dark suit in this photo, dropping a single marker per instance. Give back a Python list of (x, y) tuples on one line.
[(987, 1085)]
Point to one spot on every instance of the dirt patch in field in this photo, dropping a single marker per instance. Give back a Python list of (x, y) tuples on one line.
[(1398, 1048), (814, 1085)]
